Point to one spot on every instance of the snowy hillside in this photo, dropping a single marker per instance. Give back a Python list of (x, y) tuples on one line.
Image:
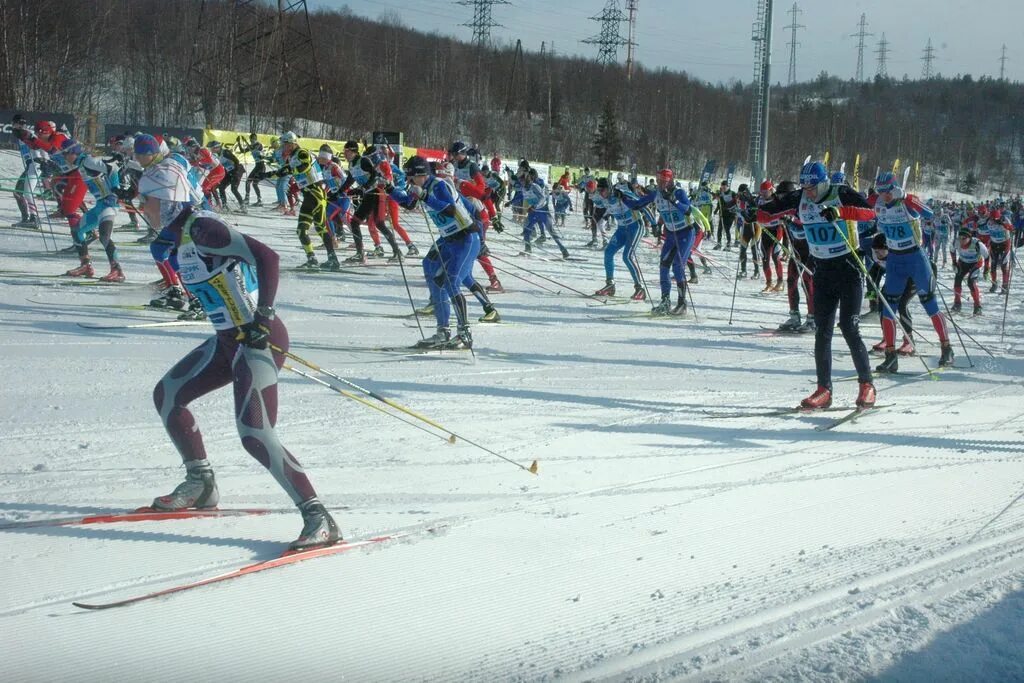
[(671, 532)]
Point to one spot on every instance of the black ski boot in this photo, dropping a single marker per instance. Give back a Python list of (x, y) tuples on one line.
[(891, 364)]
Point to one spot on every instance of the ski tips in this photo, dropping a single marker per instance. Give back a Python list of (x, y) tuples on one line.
[(533, 468)]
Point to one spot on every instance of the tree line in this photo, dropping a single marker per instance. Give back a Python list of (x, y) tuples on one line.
[(151, 62)]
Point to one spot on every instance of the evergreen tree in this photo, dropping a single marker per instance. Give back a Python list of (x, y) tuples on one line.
[(607, 146)]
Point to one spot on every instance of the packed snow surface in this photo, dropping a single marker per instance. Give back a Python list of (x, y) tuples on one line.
[(658, 541)]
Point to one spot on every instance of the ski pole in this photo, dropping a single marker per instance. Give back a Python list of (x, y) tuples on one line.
[(527, 280), (1006, 301), (360, 399), (551, 280), (735, 285), (383, 200), (371, 394), (956, 328)]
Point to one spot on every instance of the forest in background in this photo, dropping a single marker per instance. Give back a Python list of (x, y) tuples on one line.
[(135, 61)]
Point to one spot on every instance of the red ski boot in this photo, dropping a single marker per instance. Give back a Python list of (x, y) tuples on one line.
[(906, 349), (866, 396), (819, 400), (495, 286), (115, 275), (607, 290), (84, 270), (639, 294)]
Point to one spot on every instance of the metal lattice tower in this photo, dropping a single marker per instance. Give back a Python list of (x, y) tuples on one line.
[(794, 13), (1002, 64), (268, 68), (483, 21), (761, 34), (609, 39), (861, 34), (883, 53), (928, 58), (631, 9)]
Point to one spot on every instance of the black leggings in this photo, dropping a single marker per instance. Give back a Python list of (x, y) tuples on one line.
[(370, 209), (838, 285), (231, 180), (105, 230), (252, 182)]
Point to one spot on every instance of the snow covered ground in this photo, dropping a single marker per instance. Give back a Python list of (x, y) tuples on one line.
[(657, 542)]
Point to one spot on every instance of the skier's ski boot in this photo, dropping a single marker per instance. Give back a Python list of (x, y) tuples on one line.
[(177, 299), (993, 289), (395, 257), (195, 310), (717, 247), (638, 293), (809, 325), (693, 279), (607, 290), (891, 364), (148, 237), (259, 202), (331, 264), (30, 222), (819, 400), (359, 258), (565, 254), (84, 270), (680, 307), (866, 395), (742, 275), (590, 245), (198, 491), (115, 275), (311, 262), (906, 348), (955, 308), (426, 310), (779, 286), (947, 355), (438, 340), (463, 339), (541, 239), (663, 307), (490, 315), (879, 347), (767, 289), (873, 305), (728, 247), (792, 324), (411, 250), (318, 527), (378, 252), (495, 285), (977, 309), (707, 269)]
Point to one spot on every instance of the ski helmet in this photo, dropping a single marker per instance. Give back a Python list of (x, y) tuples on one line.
[(416, 166), (289, 137), (767, 187), (886, 182), (18, 121), (814, 174), (786, 186), (458, 147), (667, 175), (591, 186), (838, 178), (602, 184), (45, 128), (996, 215), (326, 151), (496, 163), (743, 188), (964, 232)]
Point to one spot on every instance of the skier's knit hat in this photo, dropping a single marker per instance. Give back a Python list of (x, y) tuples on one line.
[(146, 144)]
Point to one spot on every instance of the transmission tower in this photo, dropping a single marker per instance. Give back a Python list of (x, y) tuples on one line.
[(861, 34), (631, 8), (267, 69), (761, 34), (794, 13), (928, 58), (883, 53), (1002, 64), (482, 22), (609, 39)]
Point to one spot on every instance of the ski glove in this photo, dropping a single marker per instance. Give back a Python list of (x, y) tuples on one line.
[(830, 214), (255, 335)]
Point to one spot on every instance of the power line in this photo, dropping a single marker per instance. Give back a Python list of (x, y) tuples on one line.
[(1002, 64), (609, 39), (883, 54), (483, 20), (861, 34), (794, 13), (928, 58)]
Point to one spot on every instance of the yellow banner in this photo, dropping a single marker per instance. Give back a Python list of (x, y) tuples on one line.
[(896, 167), (826, 158), (856, 173)]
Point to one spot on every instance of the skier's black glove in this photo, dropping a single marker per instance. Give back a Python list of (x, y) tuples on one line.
[(830, 213), (255, 335)]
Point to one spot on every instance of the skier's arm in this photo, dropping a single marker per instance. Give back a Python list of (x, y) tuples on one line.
[(782, 205), (915, 204)]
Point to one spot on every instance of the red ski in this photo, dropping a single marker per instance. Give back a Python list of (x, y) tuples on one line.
[(288, 557), (145, 514)]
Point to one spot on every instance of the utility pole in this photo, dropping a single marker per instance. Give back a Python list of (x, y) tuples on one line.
[(483, 21), (882, 52), (794, 13), (609, 39), (928, 58), (861, 34), (1002, 64), (761, 34), (631, 9)]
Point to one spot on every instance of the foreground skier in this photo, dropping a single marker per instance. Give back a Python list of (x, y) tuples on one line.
[(235, 279)]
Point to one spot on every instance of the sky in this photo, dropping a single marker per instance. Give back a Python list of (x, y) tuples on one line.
[(711, 40)]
